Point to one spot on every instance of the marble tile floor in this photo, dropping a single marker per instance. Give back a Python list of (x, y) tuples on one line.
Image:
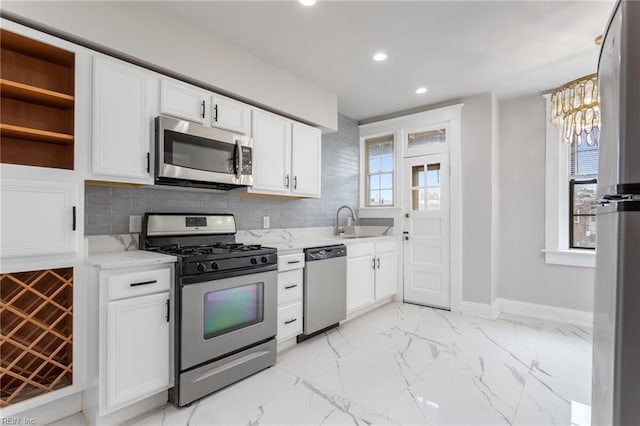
[(402, 365)]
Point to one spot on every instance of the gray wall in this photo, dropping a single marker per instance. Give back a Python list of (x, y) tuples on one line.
[(107, 209), (477, 205), (523, 273)]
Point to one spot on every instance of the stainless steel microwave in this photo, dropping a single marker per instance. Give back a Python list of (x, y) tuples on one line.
[(192, 155)]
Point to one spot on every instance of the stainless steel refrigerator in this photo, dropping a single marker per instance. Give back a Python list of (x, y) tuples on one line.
[(616, 331)]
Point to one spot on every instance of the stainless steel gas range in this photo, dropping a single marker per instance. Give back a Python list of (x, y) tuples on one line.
[(225, 298)]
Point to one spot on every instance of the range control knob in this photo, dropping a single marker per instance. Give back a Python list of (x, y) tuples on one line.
[(254, 260), (264, 259), (200, 267), (215, 265)]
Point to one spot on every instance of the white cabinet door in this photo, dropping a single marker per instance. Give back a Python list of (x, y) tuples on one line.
[(386, 274), (182, 100), (122, 121), (306, 160), (137, 348), (360, 282), (38, 217), (271, 154), (230, 115)]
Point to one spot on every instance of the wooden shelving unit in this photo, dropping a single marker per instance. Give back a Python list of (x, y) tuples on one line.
[(37, 103), (36, 319)]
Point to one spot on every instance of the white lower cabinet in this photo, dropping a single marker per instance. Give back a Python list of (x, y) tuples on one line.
[(134, 346), (290, 290), (371, 273), (137, 348)]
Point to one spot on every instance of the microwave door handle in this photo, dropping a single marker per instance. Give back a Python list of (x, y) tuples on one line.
[(239, 160)]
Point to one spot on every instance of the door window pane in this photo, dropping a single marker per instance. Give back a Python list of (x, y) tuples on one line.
[(417, 199), (433, 199), (417, 173), (433, 174)]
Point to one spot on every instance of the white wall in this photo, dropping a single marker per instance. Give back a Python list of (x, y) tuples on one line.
[(145, 30), (523, 274), (478, 138)]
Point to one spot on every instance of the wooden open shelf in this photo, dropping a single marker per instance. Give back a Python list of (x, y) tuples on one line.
[(20, 132), (37, 103), (36, 325), (38, 95)]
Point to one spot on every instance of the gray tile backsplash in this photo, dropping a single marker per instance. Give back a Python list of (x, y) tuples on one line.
[(107, 208)]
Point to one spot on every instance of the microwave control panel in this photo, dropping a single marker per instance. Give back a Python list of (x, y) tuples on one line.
[(246, 168)]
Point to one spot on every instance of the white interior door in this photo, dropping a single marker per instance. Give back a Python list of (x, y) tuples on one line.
[(426, 239)]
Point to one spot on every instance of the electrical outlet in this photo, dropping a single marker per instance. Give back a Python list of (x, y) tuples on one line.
[(266, 222), (135, 223)]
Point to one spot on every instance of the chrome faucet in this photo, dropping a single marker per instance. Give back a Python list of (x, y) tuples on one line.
[(339, 230)]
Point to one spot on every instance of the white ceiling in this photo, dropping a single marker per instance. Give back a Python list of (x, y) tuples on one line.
[(453, 48)]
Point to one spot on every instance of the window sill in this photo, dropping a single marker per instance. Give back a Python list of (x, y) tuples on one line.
[(573, 257)]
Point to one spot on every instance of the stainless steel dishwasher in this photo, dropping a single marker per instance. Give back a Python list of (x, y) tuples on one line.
[(325, 289)]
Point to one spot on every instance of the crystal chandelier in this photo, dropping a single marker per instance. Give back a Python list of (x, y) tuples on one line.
[(575, 107)]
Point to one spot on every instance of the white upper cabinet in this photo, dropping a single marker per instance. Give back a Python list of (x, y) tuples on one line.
[(306, 160), (287, 157), (230, 115), (123, 112), (271, 154), (39, 217), (182, 100)]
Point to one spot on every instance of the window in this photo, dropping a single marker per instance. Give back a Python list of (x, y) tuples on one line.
[(583, 170), (570, 175), (379, 171)]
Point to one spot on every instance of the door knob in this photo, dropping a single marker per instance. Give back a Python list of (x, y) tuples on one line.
[(407, 215)]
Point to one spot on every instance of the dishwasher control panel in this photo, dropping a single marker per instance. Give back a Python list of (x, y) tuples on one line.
[(322, 253)]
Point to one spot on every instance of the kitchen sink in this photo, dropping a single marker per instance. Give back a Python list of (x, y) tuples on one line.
[(358, 232)]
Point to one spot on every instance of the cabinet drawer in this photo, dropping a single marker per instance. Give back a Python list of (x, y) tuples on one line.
[(358, 250), (290, 261), (289, 286), (289, 321), (132, 284)]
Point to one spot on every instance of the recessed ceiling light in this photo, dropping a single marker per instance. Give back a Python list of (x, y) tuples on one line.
[(307, 2), (421, 90), (380, 56)]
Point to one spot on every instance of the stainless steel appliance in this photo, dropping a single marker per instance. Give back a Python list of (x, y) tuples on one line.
[(225, 298), (325, 289), (616, 331), (189, 154)]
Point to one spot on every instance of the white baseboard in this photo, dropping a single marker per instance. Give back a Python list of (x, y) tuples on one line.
[(46, 413), (483, 310), (545, 312)]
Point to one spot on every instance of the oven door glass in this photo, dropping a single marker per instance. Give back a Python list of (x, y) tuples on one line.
[(220, 316), (198, 153), (232, 309)]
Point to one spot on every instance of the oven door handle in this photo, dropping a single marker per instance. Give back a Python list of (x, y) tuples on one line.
[(238, 160)]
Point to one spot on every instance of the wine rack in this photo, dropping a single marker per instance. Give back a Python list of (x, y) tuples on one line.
[(36, 333)]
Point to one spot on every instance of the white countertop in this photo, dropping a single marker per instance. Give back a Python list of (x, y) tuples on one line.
[(127, 259), (301, 244)]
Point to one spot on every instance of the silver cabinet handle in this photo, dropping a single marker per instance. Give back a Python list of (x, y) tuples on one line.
[(286, 181), (290, 321), (289, 287), (295, 182), (378, 263), (374, 262)]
